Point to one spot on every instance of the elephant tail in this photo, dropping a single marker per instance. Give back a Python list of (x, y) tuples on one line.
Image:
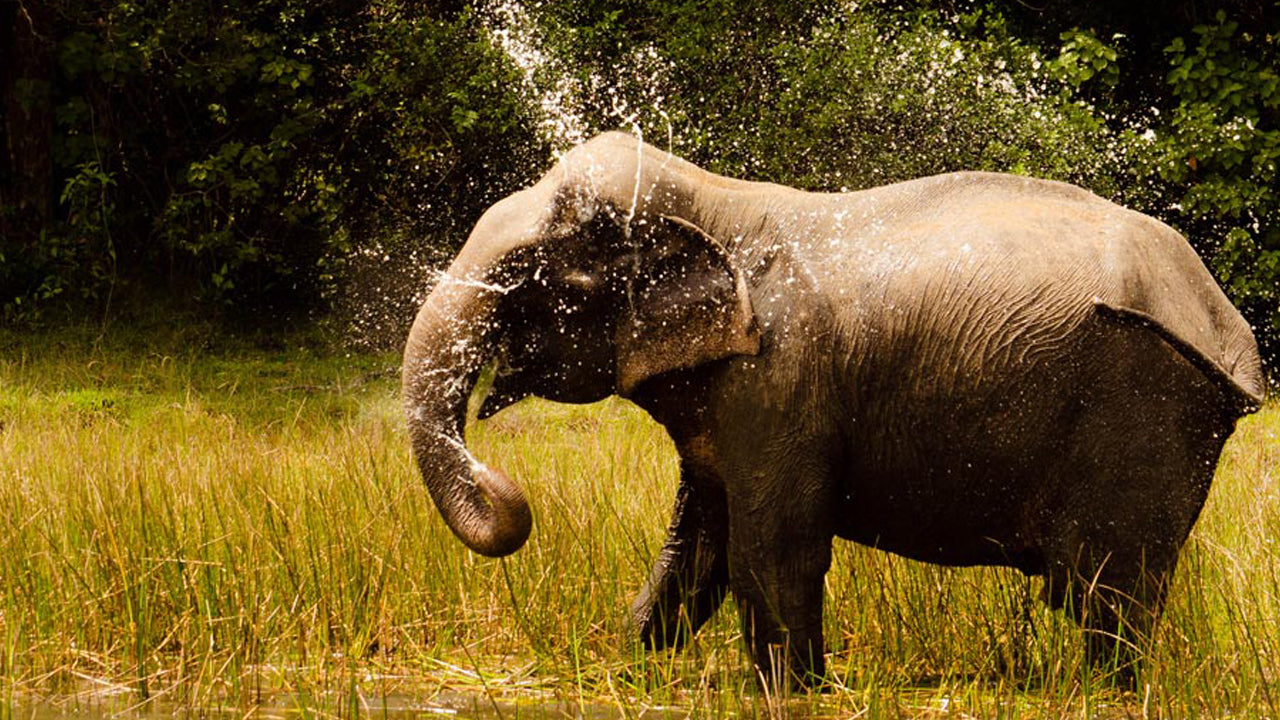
[(1246, 393)]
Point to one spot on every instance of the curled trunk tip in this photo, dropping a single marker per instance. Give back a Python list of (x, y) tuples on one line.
[(480, 504), (509, 521)]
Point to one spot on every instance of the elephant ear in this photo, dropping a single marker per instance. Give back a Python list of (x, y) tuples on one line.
[(687, 305)]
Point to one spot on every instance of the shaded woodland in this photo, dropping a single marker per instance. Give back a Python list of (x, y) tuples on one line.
[(284, 161)]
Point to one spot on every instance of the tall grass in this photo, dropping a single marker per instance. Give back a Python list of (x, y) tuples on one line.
[(234, 528)]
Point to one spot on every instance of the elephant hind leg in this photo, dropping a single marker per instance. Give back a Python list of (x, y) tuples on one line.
[(1117, 598), (690, 578), (1112, 575), (1140, 457)]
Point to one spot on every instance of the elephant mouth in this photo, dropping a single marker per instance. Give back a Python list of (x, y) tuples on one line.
[(505, 390)]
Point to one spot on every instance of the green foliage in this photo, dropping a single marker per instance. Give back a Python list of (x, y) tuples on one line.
[(236, 154), (1218, 154), (1085, 58)]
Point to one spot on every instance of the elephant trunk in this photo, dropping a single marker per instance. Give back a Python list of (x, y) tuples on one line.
[(442, 359)]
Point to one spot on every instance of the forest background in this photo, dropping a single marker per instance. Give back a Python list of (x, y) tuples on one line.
[(286, 162)]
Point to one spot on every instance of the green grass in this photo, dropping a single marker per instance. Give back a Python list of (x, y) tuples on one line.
[(205, 529)]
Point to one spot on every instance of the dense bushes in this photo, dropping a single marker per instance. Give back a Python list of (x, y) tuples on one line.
[(273, 154), (241, 154)]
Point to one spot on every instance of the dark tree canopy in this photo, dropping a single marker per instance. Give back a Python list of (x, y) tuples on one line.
[(233, 155)]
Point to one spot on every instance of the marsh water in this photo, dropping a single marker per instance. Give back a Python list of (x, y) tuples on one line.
[(397, 706)]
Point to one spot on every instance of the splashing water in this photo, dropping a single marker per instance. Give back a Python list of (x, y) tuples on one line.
[(477, 467), (419, 415), (445, 278), (917, 99), (560, 98), (449, 379), (561, 123)]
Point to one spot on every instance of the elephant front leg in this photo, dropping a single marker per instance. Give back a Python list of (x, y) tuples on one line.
[(778, 559), (690, 577)]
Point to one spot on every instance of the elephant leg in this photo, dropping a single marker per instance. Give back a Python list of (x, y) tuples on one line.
[(1136, 476), (691, 575), (779, 554), (1113, 576), (1117, 598)]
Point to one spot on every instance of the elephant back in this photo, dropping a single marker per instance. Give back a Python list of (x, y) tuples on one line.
[(976, 270)]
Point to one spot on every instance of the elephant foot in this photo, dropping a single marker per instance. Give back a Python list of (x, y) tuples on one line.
[(799, 668)]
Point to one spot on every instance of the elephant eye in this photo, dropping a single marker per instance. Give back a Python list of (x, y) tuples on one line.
[(581, 279)]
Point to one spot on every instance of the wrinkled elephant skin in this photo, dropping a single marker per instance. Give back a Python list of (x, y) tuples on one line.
[(968, 369)]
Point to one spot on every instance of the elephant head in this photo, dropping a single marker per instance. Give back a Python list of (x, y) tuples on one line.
[(582, 286)]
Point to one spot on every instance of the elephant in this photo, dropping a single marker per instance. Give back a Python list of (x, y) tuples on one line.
[(970, 369)]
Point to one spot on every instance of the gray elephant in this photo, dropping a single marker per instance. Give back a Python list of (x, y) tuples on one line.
[(968, 369)]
